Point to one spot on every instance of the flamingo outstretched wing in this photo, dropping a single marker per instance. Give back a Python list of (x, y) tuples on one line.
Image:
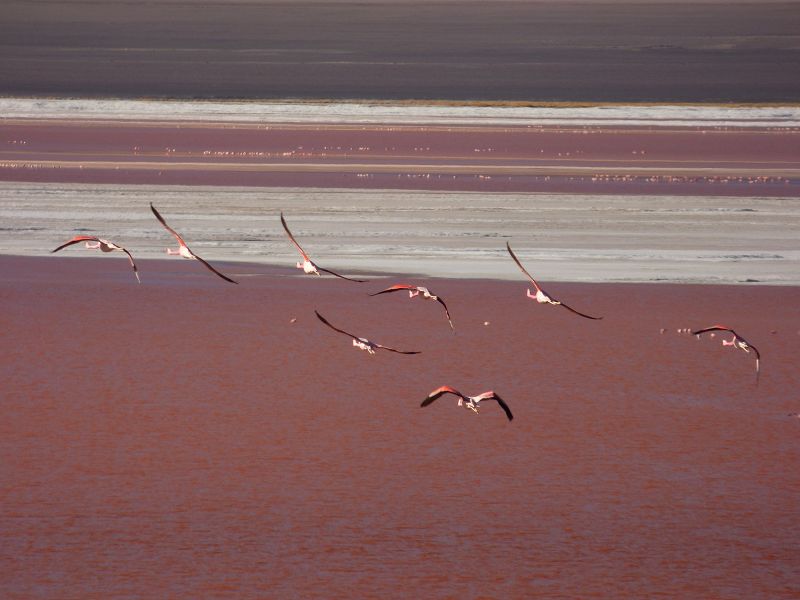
[(492, 396), (569, 308), (446, 312), (519, 264), (758, 361), (133, 264), (324, 320), (714, 328), (77, 239), (213, 270), (396, 350), (294, 241), (167, 227), (439, 392), (340, 276), (395, 288)]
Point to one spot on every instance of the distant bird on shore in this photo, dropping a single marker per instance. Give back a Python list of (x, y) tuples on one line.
[(470, 402), (541, 297), (183, 250), (736, 341), (96, 243), (308, 265), (422, 292), (362, 343)]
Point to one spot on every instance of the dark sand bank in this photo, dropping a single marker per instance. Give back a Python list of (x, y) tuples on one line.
[(183, 435), (530, 51)]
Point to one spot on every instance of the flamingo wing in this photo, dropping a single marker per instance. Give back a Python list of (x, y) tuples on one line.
[(133, 264), (291, 237), (438, 392), (324, 320), (213, 270), (500, 401), (77, 239), (569, 308), (758, 360), (395, 288), (167, 227), (446, 312), (341, 276), (714, 328), (398, 351), (519, 264)]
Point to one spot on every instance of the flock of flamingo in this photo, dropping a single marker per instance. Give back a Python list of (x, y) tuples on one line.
[(311, 268)]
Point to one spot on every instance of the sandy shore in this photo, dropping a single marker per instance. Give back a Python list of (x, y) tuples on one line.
[(705, 201), (184, 434), (560, 236)]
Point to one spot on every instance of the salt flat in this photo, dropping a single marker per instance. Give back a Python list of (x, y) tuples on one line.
[(399, 113), (571, 237)]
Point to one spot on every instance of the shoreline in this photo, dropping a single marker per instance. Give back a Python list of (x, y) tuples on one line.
[(407, 101), (390, 112), (247, 268), (575, 237)]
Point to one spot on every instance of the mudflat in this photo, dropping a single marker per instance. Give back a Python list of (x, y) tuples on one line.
[(498, 50)]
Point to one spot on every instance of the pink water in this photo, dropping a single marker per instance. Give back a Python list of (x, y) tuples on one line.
[(183, 439)]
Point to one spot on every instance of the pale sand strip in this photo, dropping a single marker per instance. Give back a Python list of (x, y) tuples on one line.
[(559, 236), (747, 170), (400, 113)]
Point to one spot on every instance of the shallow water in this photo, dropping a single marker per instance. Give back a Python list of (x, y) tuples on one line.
[(182, 438)]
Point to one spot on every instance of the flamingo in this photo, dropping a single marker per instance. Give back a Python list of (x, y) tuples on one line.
[(736, 341), (422, 292), (541, 297), (184, 250), (308, 265), (96, 243), (362, 343), (470, 402)]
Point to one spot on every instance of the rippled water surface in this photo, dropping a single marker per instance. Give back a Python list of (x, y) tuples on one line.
[(182, 438)]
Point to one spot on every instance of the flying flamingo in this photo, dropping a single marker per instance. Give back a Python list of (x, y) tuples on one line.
[(183, 250), (308, 265), (736, 341), (541, 297), (470, 402), (362, 343), (96, 243), (422, 292)]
